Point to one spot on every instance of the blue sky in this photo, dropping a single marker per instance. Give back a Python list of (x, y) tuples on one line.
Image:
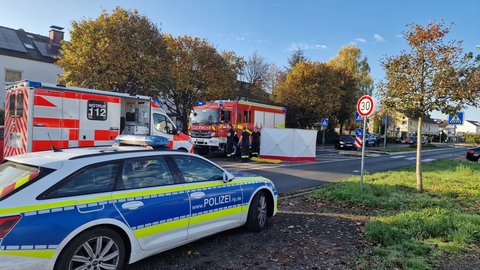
[(272, 28)]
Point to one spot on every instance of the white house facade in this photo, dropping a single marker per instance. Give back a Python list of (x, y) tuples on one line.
[(28, 56), (468, 127)]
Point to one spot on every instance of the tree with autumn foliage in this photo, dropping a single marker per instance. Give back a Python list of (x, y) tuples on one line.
[(434, 75), (312, 91), (350, 58), (197, 71), (121, 51)]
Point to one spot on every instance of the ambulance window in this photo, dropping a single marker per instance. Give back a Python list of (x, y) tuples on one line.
[(162, 123), (194, 169), (97, 110), (19, 105), (12, 105), (16, 105)]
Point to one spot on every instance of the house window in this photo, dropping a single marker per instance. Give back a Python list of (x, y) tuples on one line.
[(12, 75)]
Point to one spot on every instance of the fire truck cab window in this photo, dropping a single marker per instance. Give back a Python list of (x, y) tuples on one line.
[(162, 123), (225, 116), (16, 105)]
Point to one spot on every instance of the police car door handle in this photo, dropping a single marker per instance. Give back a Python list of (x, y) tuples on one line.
[(132, 205), (197, 195)]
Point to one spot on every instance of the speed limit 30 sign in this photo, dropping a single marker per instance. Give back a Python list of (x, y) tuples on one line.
[(365, 106)]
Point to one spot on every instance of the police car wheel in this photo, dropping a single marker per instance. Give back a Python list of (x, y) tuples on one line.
[(257, 213), (100, 248)]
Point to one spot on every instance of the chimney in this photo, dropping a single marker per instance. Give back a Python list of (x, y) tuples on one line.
[(56, 34)]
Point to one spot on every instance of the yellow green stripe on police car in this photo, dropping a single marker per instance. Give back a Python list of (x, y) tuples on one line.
[(159, 228), (43, 253)]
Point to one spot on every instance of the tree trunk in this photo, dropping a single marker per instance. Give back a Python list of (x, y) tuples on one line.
[(419, 156)]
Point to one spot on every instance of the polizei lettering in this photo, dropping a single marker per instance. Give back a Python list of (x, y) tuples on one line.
[(224, 199)]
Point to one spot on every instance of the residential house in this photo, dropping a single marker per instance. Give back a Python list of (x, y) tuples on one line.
[(401, 127), (468, 127), (28, 56)]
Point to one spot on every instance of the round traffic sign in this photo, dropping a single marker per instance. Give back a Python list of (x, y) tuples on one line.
[(365, 106)]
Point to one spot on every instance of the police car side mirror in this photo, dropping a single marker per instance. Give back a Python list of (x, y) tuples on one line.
[(227, 177)]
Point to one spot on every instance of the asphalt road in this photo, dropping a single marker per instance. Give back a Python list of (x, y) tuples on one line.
[(332, 165)]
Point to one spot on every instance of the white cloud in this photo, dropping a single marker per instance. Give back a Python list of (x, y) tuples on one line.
[(243, 37), (361, 40), (378, 38), (305, 46)]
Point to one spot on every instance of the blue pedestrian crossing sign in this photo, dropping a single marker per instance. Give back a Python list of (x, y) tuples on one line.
[(358, 118), (456, 119), (324, 122)]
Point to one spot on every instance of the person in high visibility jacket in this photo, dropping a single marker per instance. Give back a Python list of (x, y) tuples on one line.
[(245, 144)]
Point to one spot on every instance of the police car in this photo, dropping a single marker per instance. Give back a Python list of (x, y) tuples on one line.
[(101, 208)]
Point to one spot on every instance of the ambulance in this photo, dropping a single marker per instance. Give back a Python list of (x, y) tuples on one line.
[(208, 123), (40, 116)]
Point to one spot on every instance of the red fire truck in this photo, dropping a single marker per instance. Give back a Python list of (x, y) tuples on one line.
[(208, 124), (41, 116)]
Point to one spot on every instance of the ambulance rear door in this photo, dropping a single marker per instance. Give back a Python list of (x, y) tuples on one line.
[(18, 119)]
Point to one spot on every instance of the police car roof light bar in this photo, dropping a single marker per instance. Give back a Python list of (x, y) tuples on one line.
[(141, 140)]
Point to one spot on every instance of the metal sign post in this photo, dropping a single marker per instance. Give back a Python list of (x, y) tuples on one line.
[(363, 152), (456, 119), (324, 127), (364, 109)]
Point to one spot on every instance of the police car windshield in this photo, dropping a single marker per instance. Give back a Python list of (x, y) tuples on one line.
[(204, 117), (14, 175)]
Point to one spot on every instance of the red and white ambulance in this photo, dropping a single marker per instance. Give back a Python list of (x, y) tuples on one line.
[(208, 123), (42, 116)]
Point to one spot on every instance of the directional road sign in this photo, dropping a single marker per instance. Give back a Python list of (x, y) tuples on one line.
[(359, 132), (365, 106), (358, 118), (456, 119), (359, 138)]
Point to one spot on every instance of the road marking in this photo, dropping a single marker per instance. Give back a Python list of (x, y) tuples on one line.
[(423, 160), (400, 156)]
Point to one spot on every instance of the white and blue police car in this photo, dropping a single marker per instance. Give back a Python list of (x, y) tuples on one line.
[(104, 207)]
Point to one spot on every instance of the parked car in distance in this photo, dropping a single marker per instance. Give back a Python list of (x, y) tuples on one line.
[(372, 139), (413, 140), (473, 154), (103, 207), (2, 135), (345, 142)]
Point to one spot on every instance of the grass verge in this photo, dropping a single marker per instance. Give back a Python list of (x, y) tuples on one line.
[(410, 229)]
